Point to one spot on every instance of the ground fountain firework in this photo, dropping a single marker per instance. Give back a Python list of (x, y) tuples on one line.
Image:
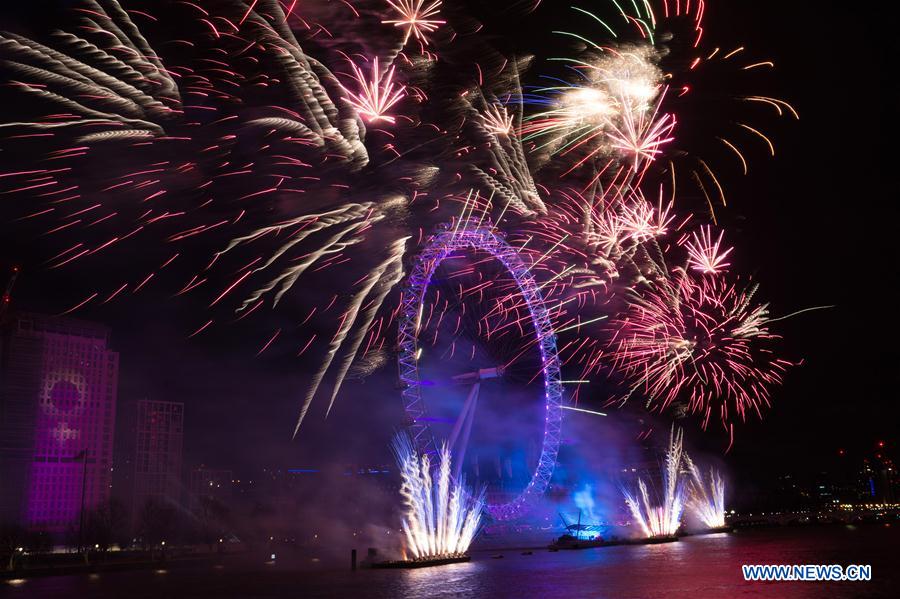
[(441, 516), (664, 519), (706, 498)]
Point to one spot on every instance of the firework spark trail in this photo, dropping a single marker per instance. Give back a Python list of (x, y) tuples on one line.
[(127, 94), (661, 520), (512, 181), (639, 221), (418, 21), (357, 320), (613, 235), (347, 219), (706, 497), (130, 70), (143, 92), (641, 137), (411, 491), (442, 517), (329, 122)]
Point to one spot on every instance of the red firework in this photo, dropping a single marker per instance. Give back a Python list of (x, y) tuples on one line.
[(701, 341)]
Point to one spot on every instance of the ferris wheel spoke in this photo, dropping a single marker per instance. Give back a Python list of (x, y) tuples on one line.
[(464, 422)]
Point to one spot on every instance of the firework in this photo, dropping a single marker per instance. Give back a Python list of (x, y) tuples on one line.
[(661, 520), (507, 173), (694, 339), (648, 64), (417, 18), (615, 111), (706, 497), (128, 103), (376, 95), (248, 162), (497, 120), (639, 221), (359, 316), (705, 254), (442, 516)]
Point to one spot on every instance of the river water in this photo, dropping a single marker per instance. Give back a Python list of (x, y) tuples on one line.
[(694, 568)]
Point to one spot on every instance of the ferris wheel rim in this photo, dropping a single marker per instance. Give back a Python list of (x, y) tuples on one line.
[(480, 236)]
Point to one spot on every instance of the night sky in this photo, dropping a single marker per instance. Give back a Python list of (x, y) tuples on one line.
[(815, 226)]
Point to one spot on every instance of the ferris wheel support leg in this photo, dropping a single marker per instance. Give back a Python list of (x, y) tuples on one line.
[(471, 402)]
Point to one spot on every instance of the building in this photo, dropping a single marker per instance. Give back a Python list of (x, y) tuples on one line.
[(157, 453), (58, 388)]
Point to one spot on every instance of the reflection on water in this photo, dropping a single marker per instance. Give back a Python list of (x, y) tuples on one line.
[(694, 568)]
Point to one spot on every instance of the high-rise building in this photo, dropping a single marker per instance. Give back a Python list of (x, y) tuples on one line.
[(157, 453), (58, 387)]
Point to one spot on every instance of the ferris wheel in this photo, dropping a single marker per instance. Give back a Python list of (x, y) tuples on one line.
[(478, 364)]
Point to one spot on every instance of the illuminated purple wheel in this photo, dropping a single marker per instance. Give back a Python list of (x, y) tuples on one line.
[(453, 242)]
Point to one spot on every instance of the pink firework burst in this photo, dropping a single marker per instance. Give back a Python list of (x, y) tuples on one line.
[(377, 94), (704, 254), (497, 119), (642, 136), (700, 341), (416, 18), (640, 221)]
